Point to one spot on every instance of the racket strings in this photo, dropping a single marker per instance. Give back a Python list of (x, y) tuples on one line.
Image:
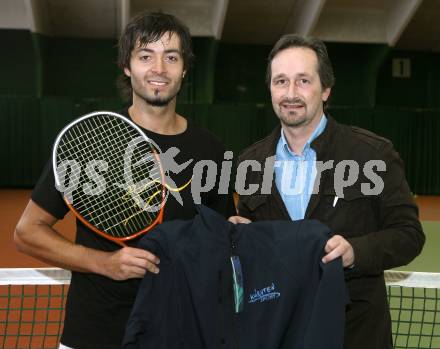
[(91, 141), (88, 141), (117, 216), (136, 205), (105, 140), (106, 215)]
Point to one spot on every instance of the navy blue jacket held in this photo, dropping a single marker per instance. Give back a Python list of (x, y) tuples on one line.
[(291, 299)]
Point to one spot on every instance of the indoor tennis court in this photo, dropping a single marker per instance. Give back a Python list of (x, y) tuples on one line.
[(59, 62)]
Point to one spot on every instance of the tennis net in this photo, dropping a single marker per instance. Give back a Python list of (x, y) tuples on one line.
[(415, 309), (32, 308)]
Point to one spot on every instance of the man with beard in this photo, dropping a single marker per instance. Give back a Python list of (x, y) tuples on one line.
[(374, 220), (154, 53)]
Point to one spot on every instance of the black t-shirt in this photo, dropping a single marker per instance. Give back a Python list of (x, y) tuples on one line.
[(97, 307)]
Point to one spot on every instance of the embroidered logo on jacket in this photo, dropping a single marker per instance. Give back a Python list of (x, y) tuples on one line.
[(265, 294)]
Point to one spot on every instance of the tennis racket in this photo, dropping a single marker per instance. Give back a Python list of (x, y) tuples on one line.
[(110, 175)]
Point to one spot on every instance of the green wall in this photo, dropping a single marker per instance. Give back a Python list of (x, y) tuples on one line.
[(37, 65), (240, 74), (45, 82), (17, 63), (79, 67), (356, 68), (421, 90)]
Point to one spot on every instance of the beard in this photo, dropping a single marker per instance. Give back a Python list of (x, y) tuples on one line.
[(154, 98), (292, 118), (157, 101)]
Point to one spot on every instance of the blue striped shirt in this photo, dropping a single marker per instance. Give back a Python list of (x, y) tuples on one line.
[(295, 174)]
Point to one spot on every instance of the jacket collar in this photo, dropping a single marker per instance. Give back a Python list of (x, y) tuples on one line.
[(211, 219), (269, 144), (321, 144)]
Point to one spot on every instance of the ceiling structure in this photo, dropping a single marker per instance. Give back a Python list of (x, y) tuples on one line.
[(406, 24)]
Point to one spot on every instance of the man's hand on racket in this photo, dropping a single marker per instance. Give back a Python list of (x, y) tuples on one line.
[(128, 263), (336, 247)]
